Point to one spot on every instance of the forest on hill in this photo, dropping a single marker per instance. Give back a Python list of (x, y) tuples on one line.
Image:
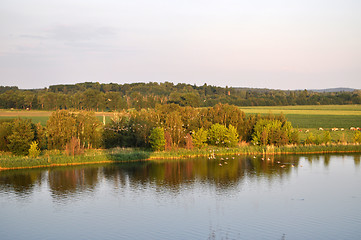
[(95, 96)]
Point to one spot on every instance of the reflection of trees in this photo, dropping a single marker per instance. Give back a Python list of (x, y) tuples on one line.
[(223, 172), (71, 180), (356, 159), (21, 182), (327, 158)]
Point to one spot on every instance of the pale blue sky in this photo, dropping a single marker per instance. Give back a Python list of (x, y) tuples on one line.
[(276, 44)]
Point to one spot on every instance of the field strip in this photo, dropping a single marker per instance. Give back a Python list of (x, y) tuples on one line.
[(16, 113), (300, 112)]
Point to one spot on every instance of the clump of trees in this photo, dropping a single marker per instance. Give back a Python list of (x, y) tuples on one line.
[(222, 125), (64, 125), (22, 137), (324, 138), (168, 126), (274, 132), (17, 135)]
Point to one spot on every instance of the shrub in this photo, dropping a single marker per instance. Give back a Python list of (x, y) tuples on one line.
[(357, 137), (326, 138), (22, 134), (273, 132), (220, 135), (34, 150), (200, 138), (5, 131), (310, 139), (216, 134), (231, 138), (156, 139)]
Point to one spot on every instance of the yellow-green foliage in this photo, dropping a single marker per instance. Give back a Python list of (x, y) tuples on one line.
[(220, 135), (34, 150), (22, 134), (357, 137), (200, 138), (273, 132), (156, 139), (63, 125), (326, 138)]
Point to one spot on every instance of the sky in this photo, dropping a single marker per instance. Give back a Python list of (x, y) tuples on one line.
[(290, 44)]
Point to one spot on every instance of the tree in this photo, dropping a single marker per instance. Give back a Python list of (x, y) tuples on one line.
[(156, 139), (226, 115), (220, 135), (200, 138), (5, 131), (217, 134), (22, 134), (61, 127), (88, 129), (174, 125), (231, 138), (118, 132)]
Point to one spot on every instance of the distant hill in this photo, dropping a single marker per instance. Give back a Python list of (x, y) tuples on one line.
[(329, 90)]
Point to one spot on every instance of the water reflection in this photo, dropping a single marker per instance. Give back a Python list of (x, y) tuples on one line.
[(21, 182), (222, 173), (68, 181)]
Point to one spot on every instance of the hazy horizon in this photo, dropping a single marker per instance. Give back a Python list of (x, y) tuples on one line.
[(198, 85), (271, 44)]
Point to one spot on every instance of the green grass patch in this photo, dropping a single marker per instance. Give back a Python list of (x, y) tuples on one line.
[(324, 121), (306, 109)]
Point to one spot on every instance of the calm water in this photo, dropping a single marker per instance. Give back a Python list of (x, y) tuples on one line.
[(301, 197)]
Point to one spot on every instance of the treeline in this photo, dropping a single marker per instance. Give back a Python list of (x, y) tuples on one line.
[(167, 126), (115, 97)]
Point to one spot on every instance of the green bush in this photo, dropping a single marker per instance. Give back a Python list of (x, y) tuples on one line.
[(231, 138), (216, 134), (326, 138), (310, 139), (273, 132), (357, 137), (22, 134), (34, 150), (156, 139), (200, 138), (220, 135), (5, 131)]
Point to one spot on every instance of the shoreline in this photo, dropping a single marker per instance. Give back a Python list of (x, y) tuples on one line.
[(9, 162)]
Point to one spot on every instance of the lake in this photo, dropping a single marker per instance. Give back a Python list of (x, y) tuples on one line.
[(237, 197)]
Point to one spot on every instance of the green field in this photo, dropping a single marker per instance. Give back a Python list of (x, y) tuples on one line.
[(41, 116), (324, 116), (306, 109)]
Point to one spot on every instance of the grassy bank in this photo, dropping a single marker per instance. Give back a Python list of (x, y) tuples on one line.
[(57, 158)]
